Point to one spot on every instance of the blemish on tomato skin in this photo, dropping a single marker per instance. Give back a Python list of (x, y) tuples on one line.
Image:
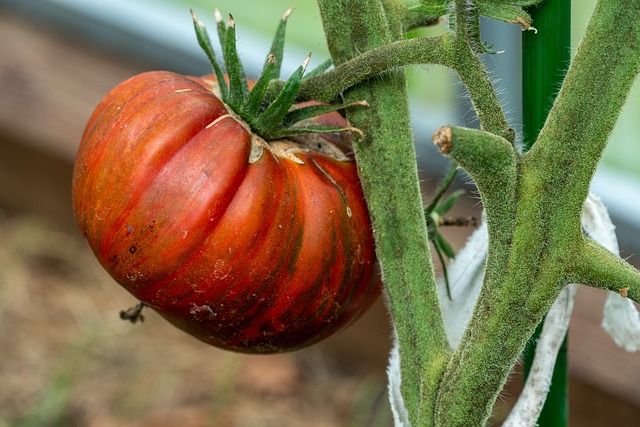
[(133, 249), (198, 310), (221, 270), (359, 256)]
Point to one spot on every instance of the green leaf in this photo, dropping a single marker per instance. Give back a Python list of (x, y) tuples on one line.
[(205, 43), (448, 203), (442, 188), (445, 274), (444, 245), (433, 219)]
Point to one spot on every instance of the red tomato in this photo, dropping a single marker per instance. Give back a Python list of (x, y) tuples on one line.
[(247, 245)]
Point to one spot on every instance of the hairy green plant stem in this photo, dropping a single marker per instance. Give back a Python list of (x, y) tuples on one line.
[(446, 50), (538, 248), (533, 202), (388, 173), (545, 58), (588, 105)]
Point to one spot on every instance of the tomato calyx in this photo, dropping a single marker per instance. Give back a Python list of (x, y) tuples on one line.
[(271, 119), (290, 146)]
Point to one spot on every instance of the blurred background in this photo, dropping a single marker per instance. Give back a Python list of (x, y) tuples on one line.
[(66, 359)]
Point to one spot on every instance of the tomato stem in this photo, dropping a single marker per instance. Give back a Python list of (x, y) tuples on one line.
[(546, 54), (536, 245), (388, 173), (442, 50)]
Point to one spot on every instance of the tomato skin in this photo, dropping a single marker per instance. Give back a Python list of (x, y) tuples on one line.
[(252, 254)]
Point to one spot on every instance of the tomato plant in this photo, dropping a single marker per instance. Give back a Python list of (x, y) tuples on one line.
[(248, 245), (238, 213)]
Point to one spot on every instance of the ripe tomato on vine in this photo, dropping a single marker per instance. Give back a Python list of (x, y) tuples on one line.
[(239, 220)]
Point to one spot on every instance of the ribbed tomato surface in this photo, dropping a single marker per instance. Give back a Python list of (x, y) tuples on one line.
[(249, 246)]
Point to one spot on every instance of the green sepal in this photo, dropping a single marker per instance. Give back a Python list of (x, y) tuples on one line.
[(205, 43), (305, 130), (321, 68), (269, 119), (238, 89), (448, 203), (302, 113), (221, 27), (277, 46), (256, 96)]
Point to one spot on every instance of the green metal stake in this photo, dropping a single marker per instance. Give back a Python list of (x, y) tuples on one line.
[(545, 58)]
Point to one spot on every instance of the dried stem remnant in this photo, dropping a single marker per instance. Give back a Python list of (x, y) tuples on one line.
[(442, 138)]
